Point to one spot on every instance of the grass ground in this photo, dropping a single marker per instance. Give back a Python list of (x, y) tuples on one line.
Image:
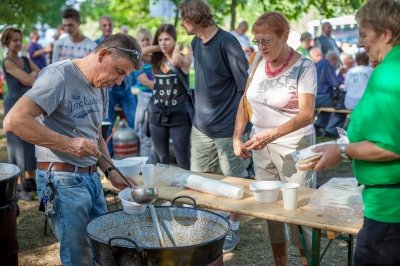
[(36, 248)]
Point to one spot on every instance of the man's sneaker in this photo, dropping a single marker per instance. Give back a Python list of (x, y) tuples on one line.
[(231, 241)]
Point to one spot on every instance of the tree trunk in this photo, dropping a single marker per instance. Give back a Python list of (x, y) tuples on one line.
[(233, 14)]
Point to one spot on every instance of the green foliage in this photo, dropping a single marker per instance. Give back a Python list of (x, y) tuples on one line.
[(329, 9), (133, 13), (28, 13)]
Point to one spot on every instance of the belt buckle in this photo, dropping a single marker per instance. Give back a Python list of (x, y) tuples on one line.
[(76, 168)]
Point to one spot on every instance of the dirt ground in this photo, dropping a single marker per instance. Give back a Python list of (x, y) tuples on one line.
[(38, 248)]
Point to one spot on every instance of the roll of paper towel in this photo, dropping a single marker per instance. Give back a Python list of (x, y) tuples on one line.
[(214, 187)]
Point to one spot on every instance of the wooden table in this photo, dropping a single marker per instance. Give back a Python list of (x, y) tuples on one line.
[(303, 215)]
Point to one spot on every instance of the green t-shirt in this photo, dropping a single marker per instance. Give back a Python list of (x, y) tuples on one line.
[(303, 51), (377, 119)]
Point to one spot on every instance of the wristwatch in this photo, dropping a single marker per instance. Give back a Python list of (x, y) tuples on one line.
[(108, 170), (343, 154)]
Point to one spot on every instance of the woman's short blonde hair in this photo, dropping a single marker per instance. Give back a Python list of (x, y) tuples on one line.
[(271, 21), (7, 34), (381, 15)]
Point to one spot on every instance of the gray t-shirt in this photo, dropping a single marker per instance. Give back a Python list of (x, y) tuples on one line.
[(69, 102)]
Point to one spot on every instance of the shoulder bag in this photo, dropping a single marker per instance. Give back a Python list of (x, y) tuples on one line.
[(248, 111)]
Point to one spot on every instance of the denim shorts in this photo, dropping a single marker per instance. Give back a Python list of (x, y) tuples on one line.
[(215, 155), (79, 198)]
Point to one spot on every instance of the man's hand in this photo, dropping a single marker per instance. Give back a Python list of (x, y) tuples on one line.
[(82, 147), (240, 150), (117, 180)]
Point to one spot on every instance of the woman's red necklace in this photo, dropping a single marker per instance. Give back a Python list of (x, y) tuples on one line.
[(271, 73)]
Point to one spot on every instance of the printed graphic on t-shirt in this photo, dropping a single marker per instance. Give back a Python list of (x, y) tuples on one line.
[(80, 107), (71, 52), (167, 92), (280, 93)]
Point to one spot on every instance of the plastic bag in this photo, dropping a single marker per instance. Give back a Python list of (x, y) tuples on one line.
[(178, 177), (171, 175), (339, 199), (306, 158)]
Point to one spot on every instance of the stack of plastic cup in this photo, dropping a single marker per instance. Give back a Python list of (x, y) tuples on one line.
[(148, 175)]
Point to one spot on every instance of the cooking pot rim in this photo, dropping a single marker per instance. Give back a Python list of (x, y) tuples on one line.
[(156, 248), (16, 171)]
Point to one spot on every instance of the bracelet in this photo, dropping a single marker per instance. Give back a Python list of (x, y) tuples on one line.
[(108, 170)]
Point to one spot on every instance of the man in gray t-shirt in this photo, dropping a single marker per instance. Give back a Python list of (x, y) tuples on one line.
[(62, 116)]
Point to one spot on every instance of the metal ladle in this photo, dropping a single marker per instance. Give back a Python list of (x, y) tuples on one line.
[(138, 195)]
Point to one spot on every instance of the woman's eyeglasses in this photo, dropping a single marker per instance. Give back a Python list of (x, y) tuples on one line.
[(261, 42), (133, 53)]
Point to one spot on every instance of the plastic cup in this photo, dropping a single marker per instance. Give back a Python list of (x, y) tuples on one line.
[(148, 175), (289, 194)]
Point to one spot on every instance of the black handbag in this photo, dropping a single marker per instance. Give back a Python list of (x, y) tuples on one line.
[(190, 92)]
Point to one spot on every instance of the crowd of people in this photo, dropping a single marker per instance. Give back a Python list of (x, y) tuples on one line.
[(210, 128)]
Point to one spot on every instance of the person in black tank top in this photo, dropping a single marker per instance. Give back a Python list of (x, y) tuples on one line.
[(170, 116)]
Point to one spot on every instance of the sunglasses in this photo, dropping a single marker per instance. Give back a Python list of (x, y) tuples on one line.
[(135, 55)]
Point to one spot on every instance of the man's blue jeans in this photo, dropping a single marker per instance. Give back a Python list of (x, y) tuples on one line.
[(325, 120), (79, 198), (143, 100), (127, 102)]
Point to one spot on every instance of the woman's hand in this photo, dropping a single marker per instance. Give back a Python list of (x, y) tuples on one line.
[(240, 150), (330, 157), (260, 140)]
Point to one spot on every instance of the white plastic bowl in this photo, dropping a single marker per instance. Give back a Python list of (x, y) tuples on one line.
[(266, 191), (130, 167), (128, 205)]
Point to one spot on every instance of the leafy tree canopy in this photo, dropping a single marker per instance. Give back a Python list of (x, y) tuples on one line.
[(28, 14)]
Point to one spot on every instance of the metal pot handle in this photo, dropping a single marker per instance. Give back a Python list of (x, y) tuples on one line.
[(184, 197), (114, 248), (123, 238)]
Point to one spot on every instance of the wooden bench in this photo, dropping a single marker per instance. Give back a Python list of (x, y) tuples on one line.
[(338, 111), (333, 110)]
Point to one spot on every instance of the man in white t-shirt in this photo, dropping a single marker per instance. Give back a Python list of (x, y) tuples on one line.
[(75, 45), (356, 80), (240, 35)]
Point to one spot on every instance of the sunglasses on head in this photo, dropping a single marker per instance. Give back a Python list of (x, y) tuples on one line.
[(132, 53)]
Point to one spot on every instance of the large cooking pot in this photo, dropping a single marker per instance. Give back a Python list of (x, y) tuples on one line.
[(8, 183), (191, 236), (8, 214)]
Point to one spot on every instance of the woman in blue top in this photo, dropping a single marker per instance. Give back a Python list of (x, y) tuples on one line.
[(169, 106)]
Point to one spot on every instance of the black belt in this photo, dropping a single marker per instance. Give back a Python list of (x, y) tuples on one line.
[(397, 185)]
